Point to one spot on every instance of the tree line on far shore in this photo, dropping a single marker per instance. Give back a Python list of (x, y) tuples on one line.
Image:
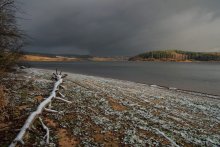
[(177, 55), (10, 36)]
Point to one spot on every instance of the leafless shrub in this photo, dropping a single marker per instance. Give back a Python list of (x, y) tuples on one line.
[(10, 36)]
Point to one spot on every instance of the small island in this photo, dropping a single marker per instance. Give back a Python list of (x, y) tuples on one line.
[(176, 56)]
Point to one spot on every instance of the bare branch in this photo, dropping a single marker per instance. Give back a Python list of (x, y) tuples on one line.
[(63, 87), (54, 74), (47, 130), (32, 117), (171, 141), (5, 3), (61, 94), (59, 98), (50, 110), (64, 75)]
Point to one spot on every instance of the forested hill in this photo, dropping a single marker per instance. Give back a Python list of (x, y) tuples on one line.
[(176, 55)]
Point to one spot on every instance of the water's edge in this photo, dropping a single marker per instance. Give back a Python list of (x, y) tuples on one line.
[(196, 93)]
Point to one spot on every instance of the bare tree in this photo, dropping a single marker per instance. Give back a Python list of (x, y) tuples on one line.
[(10, 36)]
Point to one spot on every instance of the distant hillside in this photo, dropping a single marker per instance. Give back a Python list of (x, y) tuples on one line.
[(49, 58), (55, 55), (176, 55)]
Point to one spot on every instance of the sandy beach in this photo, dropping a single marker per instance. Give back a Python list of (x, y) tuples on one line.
[(108, 112)]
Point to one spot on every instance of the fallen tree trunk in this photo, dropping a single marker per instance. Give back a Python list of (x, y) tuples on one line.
[(34, 115)]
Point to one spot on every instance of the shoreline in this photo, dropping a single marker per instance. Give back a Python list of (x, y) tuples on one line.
[(155, 85), (107, 111), (215, 96), (83, 60)]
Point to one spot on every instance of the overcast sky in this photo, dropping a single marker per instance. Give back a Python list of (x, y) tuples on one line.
[(120, 27)]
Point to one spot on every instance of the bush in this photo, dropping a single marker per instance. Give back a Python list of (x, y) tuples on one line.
[(10, 37)]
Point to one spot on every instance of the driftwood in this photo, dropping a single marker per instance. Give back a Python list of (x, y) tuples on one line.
[(43, 106)]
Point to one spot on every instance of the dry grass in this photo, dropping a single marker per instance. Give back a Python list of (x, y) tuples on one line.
[(65, 140), (3, 105), (3, 99), (116, 105), (45, 58)]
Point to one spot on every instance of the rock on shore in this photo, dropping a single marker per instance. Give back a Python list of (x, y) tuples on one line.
[(108, 112)]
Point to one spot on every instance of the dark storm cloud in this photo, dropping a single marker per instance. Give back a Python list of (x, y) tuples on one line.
[(121, 27)]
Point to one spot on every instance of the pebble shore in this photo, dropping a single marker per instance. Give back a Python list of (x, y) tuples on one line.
[(108, 112)]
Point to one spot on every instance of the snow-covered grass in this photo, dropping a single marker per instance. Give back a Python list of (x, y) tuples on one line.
[(114, 112)]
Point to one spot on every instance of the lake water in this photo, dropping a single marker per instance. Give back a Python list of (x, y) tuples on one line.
[(201, 77)]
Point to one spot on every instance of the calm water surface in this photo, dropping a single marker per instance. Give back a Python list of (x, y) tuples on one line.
[(201, 77)]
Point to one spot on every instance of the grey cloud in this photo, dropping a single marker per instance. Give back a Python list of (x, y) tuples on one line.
[(121, 27)]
